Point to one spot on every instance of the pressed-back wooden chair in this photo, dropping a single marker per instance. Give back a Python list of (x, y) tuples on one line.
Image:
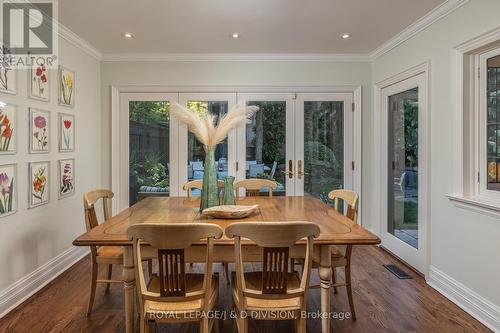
[(260, 294), (106, 255), (253, 186), (198, 185), (343, 258), (174, 295)]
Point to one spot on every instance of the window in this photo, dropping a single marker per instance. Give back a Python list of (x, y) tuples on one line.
[(493, 123)]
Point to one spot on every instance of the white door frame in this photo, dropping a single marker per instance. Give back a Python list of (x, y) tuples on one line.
[(348, 99), (120, 184), (290, 151), (415, 76), (116, 90)]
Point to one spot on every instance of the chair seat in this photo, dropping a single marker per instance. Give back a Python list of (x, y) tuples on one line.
[(253, 281), (181, 309), (109, 255)]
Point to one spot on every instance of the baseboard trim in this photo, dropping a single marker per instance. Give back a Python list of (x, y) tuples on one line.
[(471, 302), (27, 286)]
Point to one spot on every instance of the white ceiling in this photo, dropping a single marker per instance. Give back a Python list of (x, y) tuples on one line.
[(265, 26)]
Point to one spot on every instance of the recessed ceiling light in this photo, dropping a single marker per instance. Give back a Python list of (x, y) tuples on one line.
[(2, 104), (345, 36), (128, 35), (235, 35)]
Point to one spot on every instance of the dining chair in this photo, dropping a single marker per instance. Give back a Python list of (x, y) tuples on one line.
[(261, 295), (339, 258), (105, 255), (253, 186), (198, 185), (255, 170), (173, 295)]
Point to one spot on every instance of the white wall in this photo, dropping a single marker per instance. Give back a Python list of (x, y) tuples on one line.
[(32, 237), (464, 245), (242, 73)]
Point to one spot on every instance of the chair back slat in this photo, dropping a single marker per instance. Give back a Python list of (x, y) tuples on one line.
[(172, 274), (350, 198), (198, 185), (254, 186), (275, 270), (89, 201)]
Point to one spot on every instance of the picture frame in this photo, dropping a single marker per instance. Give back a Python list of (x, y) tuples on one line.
[(39, 83), (66, 124), (8, 129), (8, 80), (66, 83), (66, 177), (39, 131), (8, 189), (38, 183)]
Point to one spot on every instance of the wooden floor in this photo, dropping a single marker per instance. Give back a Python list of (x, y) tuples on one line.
[(383, 304)]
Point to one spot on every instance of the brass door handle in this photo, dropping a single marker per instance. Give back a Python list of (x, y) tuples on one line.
[(299, 169), (290, 169)]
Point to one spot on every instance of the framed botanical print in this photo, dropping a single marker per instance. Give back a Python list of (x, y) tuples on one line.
[(39, 87), (38, 182), (8, 129), (66, 87), (8, 189), (66, 175), (39, 130), (8, 78), (66, 132)]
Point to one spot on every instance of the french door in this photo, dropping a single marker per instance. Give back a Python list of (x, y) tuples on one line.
[(404, 221), (302, 141)]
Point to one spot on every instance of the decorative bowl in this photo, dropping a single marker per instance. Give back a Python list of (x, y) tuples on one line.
[(230, 211)]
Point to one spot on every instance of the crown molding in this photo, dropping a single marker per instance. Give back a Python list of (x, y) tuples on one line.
[(77, 41), (433, 16), (325, 57)]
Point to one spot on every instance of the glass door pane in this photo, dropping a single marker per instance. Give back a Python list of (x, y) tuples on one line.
[(323, 147), (324, 144), (493, 124), (149, 131), (403, 166), (266, 144)]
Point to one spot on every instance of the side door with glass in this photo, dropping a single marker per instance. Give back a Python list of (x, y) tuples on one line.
[(323, 143), (147, 148), (266, 141), (191, 153)]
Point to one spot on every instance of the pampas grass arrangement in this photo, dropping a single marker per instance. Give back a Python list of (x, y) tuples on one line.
[(202, 125), (209, 134)]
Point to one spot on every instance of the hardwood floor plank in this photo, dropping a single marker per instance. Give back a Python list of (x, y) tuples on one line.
[(383, 303)]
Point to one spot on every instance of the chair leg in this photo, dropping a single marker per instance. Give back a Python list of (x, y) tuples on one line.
[(348, 282), (110, 272), (300, 325), (216, 325), (204, 325), (242, 325), (226, 271), (334, 279), (93, 283)]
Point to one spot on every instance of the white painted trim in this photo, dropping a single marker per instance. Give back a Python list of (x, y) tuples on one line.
[(233, 89), (463, 99), (421, 24), (322, 57), (476, 204), (115, 148), (471, 302), (79, 42), (27, 286)]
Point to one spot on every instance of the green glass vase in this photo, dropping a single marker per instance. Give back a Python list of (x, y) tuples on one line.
[(209, 192), (229, 191)]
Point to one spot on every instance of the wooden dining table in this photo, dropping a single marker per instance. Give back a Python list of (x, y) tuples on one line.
[(336, 229)]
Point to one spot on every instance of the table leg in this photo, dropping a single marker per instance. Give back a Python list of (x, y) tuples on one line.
[(325, 274), (128, 285)]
